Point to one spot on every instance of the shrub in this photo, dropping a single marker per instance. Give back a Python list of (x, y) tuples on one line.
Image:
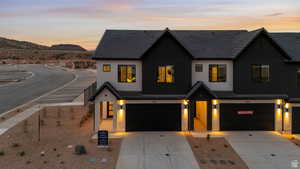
[(2, 153), (15, 145), (22, 153)]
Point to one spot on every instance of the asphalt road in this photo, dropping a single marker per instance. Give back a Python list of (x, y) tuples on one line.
[(43, 81)]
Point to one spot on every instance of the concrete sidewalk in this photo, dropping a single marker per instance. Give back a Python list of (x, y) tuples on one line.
[(11, 122), (156, 150)]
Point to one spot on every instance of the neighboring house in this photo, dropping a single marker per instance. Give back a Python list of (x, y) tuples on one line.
[(175, 80)]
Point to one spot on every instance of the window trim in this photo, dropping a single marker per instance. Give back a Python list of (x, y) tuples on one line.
[(126, 65), (103, 70), (218, 73), (260, 78), (165, 72)]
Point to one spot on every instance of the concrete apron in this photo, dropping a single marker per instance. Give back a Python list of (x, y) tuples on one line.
[(149, 150)]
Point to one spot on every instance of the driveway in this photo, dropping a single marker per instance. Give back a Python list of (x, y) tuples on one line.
[(156, 150), (264, 150)]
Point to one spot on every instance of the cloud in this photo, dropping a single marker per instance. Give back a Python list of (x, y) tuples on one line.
[(275, 14)]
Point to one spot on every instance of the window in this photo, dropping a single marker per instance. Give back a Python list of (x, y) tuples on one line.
[(198, 68), (298, 78), (126, 73), (261, 73), (165, 74), (106, 68), (217, 73)]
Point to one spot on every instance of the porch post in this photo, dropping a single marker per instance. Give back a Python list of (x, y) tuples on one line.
[(97, 116)]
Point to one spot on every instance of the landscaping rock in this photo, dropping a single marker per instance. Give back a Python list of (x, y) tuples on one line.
[(80, 150)]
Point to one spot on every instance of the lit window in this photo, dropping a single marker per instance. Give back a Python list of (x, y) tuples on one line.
[(217, 73), (165, 74), (261, 73), (126, 73), (106, 68), (198, 68)]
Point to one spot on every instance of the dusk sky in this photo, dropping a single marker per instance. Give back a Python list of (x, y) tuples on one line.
[(84, 21)]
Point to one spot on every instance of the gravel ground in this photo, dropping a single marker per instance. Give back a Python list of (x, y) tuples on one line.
[(215, 154), (60, 128)]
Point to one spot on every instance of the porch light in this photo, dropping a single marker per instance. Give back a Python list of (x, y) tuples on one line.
[(185, 102), (215, 102), (286, 106), (278, 101), (121, 102), (185, 106), (121, 107)]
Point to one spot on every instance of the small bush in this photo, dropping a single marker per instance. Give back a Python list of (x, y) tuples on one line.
[(15, 145), (22, 153), (2, 153)]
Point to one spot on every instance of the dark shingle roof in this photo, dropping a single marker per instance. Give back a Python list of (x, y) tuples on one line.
[(201, 44), (290, 42)]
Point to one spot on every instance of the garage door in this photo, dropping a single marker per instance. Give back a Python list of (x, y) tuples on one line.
[(247, 116), (296, 120), (153, 117)]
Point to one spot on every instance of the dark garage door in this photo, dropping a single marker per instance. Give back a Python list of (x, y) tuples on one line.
[(296, 120), (153, 117), (247, 116)]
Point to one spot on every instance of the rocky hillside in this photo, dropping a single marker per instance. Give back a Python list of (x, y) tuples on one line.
[(15, 44), (68, 47)]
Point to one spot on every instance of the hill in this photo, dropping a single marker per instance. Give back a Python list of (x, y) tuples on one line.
[(68, 47), (15, 44)]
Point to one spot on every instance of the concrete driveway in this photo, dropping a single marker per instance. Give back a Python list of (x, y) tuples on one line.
[(264, 150), (156, 150)]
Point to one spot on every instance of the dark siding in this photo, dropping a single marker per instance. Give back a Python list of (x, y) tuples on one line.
[(209, 115), (262, 118), (296, 120), (192, 111), (167, 51), (261, 51)]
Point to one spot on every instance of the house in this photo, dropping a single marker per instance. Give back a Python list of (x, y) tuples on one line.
[(180, 80)]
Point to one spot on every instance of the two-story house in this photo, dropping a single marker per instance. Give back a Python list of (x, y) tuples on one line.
[(177, 80)]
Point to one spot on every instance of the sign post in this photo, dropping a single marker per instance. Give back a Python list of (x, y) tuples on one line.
[(103, 138)]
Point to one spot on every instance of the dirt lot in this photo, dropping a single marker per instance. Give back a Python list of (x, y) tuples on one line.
[(60, 132), (215, 154)]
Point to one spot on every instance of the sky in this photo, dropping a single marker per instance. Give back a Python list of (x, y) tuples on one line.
[(83, 22)]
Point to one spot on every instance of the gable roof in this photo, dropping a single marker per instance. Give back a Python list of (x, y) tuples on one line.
[(108, 86), (197, 86), (201, 44)]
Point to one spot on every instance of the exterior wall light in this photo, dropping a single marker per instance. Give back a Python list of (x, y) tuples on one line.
[(286, 107), (214, 106), (185, 106), (121, 107)]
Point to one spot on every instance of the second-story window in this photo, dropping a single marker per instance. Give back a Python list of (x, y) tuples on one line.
[(261, 73), (165, 74), (126, 73), (217, 73), (106, 68), (198, 67)]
